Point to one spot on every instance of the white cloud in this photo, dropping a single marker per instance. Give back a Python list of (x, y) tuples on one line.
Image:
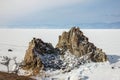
[(12, 9)]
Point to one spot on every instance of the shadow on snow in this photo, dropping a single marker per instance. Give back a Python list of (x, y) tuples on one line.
[(113, 58)]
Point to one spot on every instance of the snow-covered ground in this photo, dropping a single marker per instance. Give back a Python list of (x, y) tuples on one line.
[(107, 39)]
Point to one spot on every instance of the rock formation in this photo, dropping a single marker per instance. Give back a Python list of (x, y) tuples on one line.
[(72, 50), (37, 56), (78, 44), (32, 60)]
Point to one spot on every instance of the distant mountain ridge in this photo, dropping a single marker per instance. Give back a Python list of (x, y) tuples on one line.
[(114, 25)]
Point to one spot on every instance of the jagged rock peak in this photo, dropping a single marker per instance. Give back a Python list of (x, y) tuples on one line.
[(77, 43), (42, 47), (32, 59)]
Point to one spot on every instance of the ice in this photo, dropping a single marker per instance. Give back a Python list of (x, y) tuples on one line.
[(107, 39)]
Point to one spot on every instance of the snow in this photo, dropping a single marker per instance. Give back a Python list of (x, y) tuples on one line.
[(106, 39)]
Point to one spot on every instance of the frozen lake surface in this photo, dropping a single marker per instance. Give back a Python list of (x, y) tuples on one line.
[(106, 39)]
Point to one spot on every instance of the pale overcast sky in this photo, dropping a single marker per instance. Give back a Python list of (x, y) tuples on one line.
[(58, 12)]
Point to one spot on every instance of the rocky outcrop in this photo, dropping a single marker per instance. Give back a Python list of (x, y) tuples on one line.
[(98, 56), (72, 50), (32, 59), (78, 44)]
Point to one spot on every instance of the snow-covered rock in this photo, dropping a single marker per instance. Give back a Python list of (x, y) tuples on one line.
[(106, 39), (78, 44)]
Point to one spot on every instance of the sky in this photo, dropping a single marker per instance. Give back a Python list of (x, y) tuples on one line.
[(59, 13)]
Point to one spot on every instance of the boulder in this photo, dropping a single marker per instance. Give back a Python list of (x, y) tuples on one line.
[(78, 44)]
